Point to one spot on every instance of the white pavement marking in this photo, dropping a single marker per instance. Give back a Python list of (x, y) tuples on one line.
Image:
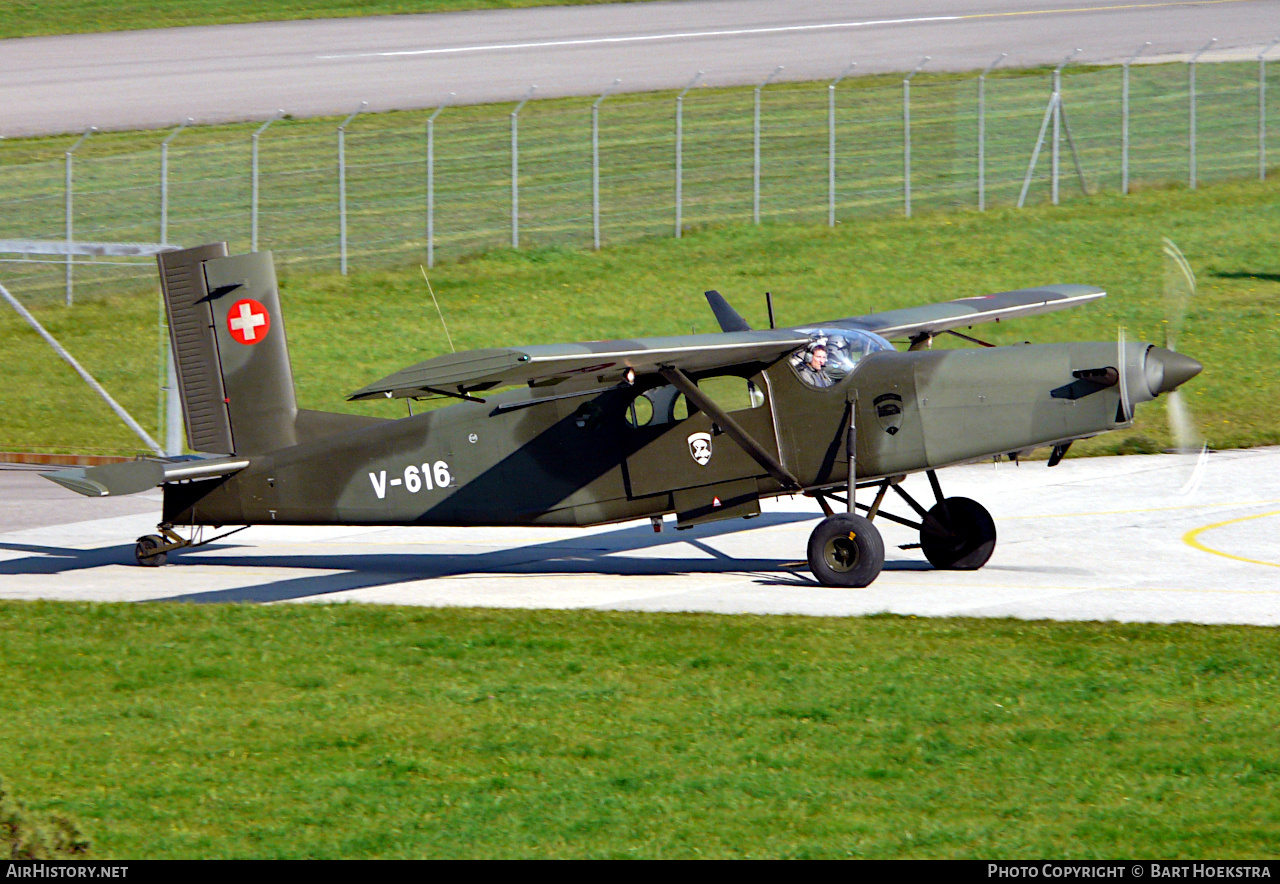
[(149, 79), (647, 38), (1091, 539)]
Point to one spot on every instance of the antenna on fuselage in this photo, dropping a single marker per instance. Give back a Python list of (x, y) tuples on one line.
[(438, 310)]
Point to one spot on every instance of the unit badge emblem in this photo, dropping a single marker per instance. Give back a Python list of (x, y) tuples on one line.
[(700, 448), (889, 412)]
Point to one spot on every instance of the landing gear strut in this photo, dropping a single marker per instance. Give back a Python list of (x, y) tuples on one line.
[(152, 550), (846, 549), (956, 534)]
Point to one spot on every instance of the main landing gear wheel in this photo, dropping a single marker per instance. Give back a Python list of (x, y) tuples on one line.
[(146, 551), (970, 537), (846, 550)]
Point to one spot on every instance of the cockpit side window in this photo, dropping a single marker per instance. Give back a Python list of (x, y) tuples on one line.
[(832, 354)]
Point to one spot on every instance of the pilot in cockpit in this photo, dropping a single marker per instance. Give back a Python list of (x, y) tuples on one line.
[(812, 370), (832, 354)]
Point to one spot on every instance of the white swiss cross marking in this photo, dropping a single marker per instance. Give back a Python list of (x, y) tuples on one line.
[(248, 321)]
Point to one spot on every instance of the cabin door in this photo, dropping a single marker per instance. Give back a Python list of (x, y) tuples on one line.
[(683, 448)]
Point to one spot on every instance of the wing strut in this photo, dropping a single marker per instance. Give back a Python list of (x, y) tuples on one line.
[(758, 453)]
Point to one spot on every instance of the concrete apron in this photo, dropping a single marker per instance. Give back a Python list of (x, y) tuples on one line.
[(1091, 539)]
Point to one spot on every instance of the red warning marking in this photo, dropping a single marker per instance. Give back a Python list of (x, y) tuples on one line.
[(715, 501), (248, 321)]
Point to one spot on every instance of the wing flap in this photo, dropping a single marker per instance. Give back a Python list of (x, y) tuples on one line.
[(547, 364), (934, 318)]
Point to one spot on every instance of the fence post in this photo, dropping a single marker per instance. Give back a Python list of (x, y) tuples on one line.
[(906, 137), (431, 180), (831, 143), (342, 188), (1191, 114), (982, 131), (595, 162), (515, 168), (70, 191), (164, 181), (1057, 124), (680, 152), (755, 168), (1124, 117), (253, 208), (1057, 129), (1262, 109)]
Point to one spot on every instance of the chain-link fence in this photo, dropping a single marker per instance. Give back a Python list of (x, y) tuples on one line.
[(494, 177)]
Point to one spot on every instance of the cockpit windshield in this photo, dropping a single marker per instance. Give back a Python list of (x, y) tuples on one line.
[(832, 353)]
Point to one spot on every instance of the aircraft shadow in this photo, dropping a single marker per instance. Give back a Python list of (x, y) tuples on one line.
[(60, 560), (805, 579), (1246, 274), (601, 553)]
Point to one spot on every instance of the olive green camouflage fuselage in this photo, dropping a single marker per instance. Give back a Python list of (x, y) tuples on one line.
[(572, 455)]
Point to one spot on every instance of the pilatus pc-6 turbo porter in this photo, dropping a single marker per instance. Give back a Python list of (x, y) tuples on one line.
[(702, 426)]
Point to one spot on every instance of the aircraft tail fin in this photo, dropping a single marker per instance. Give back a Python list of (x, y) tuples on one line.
[(228, 338)]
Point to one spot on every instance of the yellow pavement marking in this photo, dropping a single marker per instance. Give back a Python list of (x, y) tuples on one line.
[(1191, 538)]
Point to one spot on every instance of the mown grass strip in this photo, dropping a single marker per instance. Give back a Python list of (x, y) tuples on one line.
[(347, 731), (45, 17)]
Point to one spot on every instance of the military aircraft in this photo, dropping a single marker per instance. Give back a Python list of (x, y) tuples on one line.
[(703, 426)]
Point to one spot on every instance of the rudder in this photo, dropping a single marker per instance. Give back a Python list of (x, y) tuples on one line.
[(228, 338)]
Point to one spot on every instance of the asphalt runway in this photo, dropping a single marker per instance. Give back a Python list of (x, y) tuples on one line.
[(1090, 539), (145, 79)]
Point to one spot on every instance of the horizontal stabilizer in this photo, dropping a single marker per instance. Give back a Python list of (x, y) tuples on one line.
[(935, 318), (133, 476)]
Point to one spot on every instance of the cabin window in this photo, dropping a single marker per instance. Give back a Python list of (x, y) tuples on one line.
[(832, 354), (667, 405), (640, 412), (731, 392), (661, 405), (679, 407)]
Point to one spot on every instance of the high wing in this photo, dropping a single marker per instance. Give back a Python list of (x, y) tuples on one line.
[(460, 374), (607, 361), (934, 318)]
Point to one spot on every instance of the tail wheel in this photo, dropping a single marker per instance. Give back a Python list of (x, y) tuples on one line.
[(846, 550), (146, 551), (970, 537)]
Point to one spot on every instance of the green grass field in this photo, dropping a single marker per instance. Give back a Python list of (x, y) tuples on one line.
[(32, 18), (347, 331), (348, 731), (117, 174)]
